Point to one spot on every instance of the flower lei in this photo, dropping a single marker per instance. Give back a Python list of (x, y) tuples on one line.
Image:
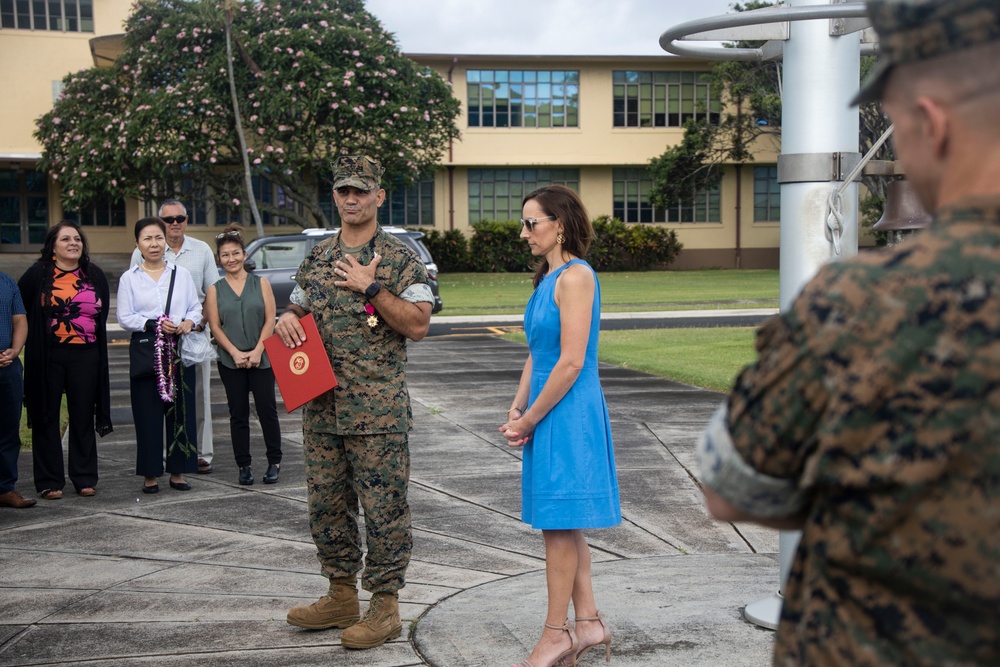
[(170, 385), (164, 356)]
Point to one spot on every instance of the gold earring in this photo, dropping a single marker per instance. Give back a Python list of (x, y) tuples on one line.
[(560, 239)]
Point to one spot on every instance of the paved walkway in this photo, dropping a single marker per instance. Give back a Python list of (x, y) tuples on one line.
[(206, 577)]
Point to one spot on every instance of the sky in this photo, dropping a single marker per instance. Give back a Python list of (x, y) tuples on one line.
[(538, 27)]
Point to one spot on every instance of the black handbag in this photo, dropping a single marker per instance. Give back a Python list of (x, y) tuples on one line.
[(143, 345)]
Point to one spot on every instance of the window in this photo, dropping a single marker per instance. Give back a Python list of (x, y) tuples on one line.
[(496, 194), (407, 206), (662, 99), (631, 188), (516, 98), (104, 213), (766, 194), (57, 15), (281, 255), (410, 206), (274, 196)]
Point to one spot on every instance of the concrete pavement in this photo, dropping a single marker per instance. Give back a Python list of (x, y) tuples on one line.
[(205, 577)]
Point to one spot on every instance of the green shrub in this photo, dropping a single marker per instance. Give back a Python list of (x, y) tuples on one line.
[(631, 247), (450, 249), (495, 246)]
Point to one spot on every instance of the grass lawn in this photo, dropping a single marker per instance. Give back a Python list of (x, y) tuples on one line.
[(709, 358), (507, 293)]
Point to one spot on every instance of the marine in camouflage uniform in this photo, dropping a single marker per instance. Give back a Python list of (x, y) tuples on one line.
[(371, 401), (355, 435), (872, 417)]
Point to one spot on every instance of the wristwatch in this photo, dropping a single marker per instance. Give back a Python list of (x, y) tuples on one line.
[(372, 290)]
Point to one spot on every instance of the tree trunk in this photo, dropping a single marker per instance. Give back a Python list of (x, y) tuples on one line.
[(239, 122)]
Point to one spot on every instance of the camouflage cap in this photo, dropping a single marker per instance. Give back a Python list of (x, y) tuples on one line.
[(914, 30), (359, 171)]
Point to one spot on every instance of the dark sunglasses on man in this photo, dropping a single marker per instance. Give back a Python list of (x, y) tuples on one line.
[(171, 219)]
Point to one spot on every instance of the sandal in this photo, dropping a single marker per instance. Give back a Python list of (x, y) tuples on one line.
[(569, 654), (51, 494), (87, 491), (606, 640)]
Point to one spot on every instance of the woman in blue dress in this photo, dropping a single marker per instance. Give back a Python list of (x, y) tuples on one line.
[(560, 418)]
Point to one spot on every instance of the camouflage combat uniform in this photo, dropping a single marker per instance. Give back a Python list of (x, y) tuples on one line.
[(355, 436), (874, 408)]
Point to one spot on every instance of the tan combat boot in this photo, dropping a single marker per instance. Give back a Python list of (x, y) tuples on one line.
[(380, 624), (339, 608)]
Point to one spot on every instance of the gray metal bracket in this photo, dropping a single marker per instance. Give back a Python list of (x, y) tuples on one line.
[(816, 167)]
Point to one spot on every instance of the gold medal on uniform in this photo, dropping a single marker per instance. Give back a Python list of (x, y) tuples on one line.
[(372, 319)]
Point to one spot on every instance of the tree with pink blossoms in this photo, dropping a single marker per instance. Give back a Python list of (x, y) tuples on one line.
[(315, 79)]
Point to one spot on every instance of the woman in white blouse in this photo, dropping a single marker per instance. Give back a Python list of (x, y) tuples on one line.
[(143, 293)]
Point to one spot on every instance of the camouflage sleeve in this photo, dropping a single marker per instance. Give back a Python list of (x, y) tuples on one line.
[(418, 293), (300, 299), (722, 469), (776, 405)]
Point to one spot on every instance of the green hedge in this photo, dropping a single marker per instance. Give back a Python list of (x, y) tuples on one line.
[(496, 247)]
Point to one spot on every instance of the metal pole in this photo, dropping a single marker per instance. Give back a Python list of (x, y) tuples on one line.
[(820, 76)]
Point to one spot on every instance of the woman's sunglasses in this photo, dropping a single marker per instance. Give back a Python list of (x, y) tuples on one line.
[(530, 223)]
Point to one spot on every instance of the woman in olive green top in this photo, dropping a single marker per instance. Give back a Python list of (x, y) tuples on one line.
[(240, 310)]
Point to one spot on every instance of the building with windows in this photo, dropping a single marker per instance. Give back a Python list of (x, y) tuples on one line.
[(588, 122)]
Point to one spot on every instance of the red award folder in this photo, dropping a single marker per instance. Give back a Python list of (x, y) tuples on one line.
[(303, 372)]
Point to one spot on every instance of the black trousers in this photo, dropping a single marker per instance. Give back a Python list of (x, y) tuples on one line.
[(11, 399), (74, 371), (149, 412), (240, 383)]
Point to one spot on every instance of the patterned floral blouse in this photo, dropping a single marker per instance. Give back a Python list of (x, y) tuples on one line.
[(73, 309)]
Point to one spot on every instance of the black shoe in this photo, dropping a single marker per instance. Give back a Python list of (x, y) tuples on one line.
[(152, 489), (271, 476), (246, 476), (180, 486)]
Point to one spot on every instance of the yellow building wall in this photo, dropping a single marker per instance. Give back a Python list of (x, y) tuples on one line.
[(33, 61)]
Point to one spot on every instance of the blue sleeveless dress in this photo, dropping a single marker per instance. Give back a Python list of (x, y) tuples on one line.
[(568, 477)]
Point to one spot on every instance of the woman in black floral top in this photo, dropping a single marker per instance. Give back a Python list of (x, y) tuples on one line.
[(67, 300)]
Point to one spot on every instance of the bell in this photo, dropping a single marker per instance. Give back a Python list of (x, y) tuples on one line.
[(903, 211)]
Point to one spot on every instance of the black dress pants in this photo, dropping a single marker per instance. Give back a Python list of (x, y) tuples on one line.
[(240, 383), (72, 369), (149, 412)]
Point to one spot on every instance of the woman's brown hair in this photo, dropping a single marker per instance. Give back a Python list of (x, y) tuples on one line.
[(560, 202)]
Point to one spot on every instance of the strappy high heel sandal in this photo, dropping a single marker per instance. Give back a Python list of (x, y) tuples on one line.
[(569, 654), (606, 640)]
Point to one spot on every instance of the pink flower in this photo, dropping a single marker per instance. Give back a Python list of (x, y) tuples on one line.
[(236, 202), (197, 49), (256, 160)]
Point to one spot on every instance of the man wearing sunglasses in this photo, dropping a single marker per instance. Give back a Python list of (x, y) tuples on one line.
[(197, 257)]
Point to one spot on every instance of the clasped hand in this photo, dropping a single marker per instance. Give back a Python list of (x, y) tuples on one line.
[(249, 359), (184, 327), (518, 431)]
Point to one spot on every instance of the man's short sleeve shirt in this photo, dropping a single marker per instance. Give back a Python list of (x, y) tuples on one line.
[(10, 305), (369, 361)]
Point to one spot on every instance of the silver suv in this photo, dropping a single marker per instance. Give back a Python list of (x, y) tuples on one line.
[(277, 258)]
